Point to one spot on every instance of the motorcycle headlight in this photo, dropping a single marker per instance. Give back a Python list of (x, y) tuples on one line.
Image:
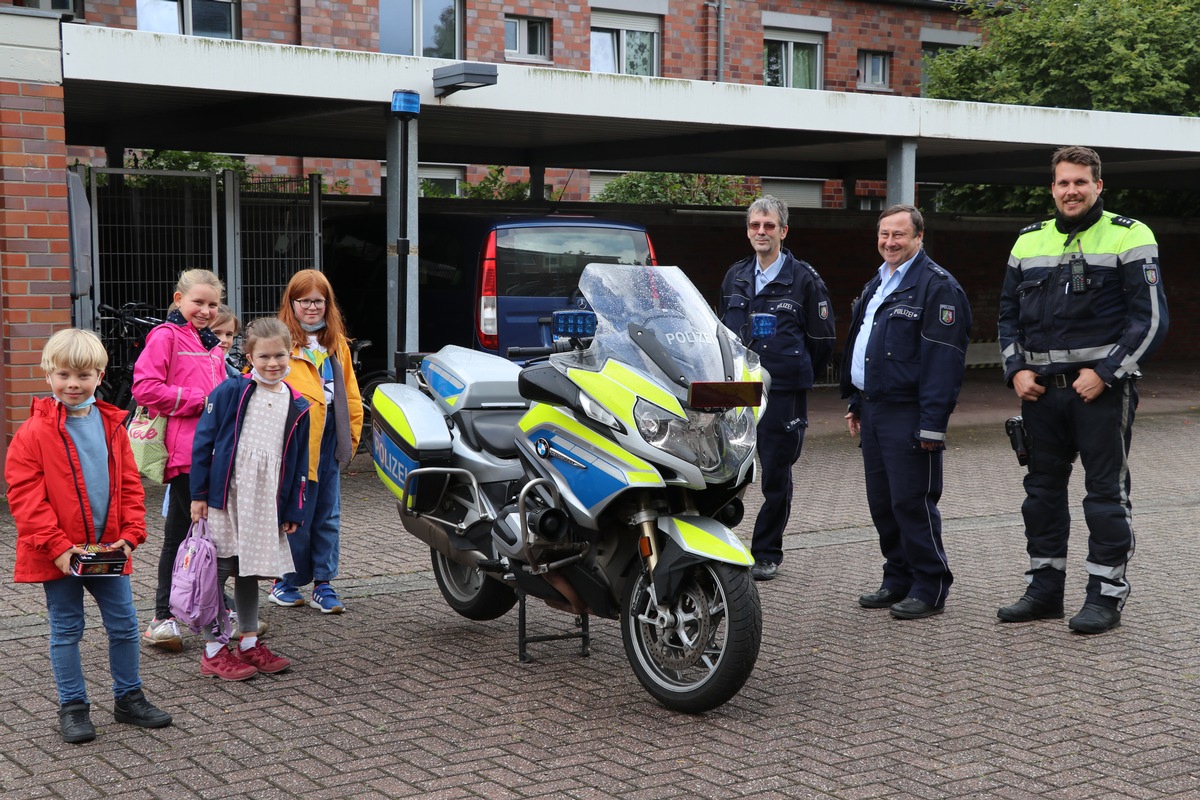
[(716, 443)]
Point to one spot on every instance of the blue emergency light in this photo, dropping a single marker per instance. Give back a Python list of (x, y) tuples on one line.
[(572, 324), (762, 326)]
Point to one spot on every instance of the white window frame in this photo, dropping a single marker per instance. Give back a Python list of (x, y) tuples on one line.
[(621, 23), (524, 27), (867, 60), (155, 14), (418, 31), (790, 39), (67, 9)]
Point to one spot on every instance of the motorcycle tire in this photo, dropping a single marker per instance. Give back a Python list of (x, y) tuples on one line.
[(469, 592), (705, 656)]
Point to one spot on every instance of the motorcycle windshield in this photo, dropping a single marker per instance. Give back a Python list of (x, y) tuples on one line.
[(654, 319)]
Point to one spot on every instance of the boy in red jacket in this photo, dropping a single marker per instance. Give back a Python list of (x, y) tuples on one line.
[(72, 482)]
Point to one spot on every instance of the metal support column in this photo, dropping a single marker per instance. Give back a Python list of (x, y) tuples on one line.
[(402, 191), (901, 171)]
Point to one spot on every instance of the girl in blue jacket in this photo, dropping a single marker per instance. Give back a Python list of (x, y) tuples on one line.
[(249, 469)]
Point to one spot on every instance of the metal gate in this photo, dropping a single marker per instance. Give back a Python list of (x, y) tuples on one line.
[(148, 226)]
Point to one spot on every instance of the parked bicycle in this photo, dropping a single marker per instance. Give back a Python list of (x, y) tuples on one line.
[(123, 331), (366, 385)]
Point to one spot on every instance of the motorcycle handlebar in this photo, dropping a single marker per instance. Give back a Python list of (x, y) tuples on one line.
[(561, 346)]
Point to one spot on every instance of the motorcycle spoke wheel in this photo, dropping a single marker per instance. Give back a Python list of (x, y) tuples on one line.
[(697, 653)]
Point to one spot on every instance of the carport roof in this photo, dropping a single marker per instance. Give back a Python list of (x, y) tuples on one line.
[(145, 90)]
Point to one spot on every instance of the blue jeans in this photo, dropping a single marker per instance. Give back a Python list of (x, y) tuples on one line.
[(316, 545), (64, 601)]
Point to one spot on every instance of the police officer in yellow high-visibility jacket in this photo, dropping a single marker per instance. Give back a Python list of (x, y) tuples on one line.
[(1081, 309)]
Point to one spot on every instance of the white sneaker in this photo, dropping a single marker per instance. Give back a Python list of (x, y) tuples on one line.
[(165, 634), (234, 630)]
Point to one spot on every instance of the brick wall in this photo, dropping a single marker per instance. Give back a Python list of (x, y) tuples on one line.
[(34, 245)]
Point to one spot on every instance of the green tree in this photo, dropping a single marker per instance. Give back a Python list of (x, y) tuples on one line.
[(1138, 56), (675, 188)]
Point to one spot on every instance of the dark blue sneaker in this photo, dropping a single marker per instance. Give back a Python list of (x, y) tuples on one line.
[(284, 594), (325, 599)]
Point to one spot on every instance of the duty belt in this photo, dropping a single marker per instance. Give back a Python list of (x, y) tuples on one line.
[(1061, 380), (1092, 354)]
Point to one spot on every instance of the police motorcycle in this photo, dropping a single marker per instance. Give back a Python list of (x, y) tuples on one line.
[(603, 478)]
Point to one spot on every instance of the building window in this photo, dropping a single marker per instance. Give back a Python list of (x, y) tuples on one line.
[(625, 43), (793, 59), (431, 28), (937, 40), (218, 19), (68, 9), (526, 38), (795, 192), (873, 69)]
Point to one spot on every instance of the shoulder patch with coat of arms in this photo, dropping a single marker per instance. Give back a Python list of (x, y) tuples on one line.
[(823, 309), (1150, 273), (947, 314)]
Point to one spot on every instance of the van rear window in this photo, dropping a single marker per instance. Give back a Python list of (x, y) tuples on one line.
[(547, 261)]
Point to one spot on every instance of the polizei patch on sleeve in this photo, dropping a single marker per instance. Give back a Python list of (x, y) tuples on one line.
[(823, 309), (1150, 272), (946, 314)]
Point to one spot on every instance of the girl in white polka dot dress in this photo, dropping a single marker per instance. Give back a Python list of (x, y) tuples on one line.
[(249, 469)]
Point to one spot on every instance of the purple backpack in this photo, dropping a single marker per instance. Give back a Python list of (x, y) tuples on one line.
[(196, 600)]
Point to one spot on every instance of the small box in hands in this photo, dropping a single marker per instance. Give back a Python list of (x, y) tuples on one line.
[(99, 560)]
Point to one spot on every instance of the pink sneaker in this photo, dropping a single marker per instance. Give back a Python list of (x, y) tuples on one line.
[(262, 659), (226, 666)]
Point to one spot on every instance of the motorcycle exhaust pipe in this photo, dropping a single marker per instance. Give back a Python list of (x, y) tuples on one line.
[(435, 536)]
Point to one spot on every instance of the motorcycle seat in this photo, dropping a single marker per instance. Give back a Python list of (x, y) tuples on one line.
[(491, 430)]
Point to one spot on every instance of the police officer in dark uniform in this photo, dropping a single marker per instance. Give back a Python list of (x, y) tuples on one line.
[(1081, 309), (774, 281), (902, 371)]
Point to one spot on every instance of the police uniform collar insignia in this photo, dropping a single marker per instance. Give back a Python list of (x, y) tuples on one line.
[(1124, 222), (1037, 226)]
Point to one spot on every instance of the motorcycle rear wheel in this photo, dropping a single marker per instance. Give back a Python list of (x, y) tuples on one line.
[(702, 655), (469, 592)]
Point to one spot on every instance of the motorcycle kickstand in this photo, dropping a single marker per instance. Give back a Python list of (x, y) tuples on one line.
[(581, 622)]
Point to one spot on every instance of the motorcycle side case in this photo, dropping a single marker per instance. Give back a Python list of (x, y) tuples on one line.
[(409, 432), (467, 379)]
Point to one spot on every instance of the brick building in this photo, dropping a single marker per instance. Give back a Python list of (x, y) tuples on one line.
[(840, 45)]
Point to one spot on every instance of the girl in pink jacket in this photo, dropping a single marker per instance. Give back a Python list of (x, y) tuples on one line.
[(179, 366)]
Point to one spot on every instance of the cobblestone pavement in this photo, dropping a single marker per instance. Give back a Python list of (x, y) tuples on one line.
[(400, 697)]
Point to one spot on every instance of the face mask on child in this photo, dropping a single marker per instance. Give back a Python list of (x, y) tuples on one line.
[(316, 326), (90, 401), (254, 373)]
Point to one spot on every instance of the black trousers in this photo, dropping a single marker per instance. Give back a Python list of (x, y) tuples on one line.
[(904, 484), (780, 438), (1060, 425)]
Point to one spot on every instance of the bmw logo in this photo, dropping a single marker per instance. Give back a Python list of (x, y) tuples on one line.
[(542, 447)]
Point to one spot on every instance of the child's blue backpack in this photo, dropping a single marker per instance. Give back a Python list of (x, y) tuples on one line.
[(196, 600)]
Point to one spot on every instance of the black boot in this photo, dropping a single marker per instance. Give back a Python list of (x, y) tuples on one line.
[(75, 720), (1029, 608), (135, 709)]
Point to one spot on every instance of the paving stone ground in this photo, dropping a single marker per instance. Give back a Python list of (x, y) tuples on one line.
[(401, 697)]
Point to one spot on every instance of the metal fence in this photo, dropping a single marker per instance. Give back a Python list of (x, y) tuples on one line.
[(148, 226)]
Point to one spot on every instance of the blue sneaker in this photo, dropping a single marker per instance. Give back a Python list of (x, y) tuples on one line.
[(325, 599), (284, 594)]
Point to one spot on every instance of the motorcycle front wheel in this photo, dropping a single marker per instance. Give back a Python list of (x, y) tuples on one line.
[(696, 654), (469, 592)]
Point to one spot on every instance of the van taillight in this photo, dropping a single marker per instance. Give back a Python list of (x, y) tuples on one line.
[(653, 257), (485, 321)]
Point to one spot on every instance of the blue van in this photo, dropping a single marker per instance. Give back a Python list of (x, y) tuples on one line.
[(486, 283)]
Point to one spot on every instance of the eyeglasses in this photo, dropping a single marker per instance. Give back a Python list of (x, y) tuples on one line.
[(305, 303), (766, 226)]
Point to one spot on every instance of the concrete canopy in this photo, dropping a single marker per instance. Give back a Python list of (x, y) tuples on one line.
[(143, 90)]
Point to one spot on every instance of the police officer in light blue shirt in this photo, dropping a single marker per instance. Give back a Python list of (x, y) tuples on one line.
[(902, 371), (773, 281)]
